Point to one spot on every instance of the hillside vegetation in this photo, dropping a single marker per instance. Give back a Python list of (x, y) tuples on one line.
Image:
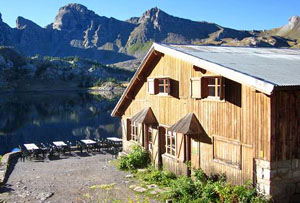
[(19, 72)]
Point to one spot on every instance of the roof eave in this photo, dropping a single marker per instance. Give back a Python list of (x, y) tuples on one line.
[(123, 97)]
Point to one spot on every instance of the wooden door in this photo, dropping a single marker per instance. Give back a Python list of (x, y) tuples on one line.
[(195, 153)]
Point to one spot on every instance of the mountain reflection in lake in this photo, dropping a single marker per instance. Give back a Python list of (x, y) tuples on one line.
[(54, 116)]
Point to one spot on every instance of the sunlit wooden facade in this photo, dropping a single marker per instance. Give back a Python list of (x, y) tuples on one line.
[(219, 123)]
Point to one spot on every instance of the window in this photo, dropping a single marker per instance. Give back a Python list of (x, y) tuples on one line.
[(214, 87), (150, 134), (159, 85), (171, 143), (208, 87), (227, 151), (164, 85), (134, 132)]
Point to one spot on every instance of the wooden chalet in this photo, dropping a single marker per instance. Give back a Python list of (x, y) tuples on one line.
[(232, 110)]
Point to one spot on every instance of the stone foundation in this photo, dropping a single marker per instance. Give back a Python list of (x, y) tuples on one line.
[(280, 179)]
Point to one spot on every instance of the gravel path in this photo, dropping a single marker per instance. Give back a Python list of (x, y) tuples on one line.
[(76, 178)]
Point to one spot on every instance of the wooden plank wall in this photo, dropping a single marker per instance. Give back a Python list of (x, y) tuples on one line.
[(243, 118), (285, 125)]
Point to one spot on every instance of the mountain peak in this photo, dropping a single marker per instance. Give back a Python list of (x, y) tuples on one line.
[(22, 23), (75, 7), (153, 12), (294, 20), (69, 16), (1, 18)]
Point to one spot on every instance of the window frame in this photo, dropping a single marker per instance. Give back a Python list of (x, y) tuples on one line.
[(218, 88), (154, 86), (134, 132), (166, 85), (171, 148), (150, 132)]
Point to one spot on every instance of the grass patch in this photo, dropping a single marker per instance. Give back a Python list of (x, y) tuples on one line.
[(103, 186), (140, 47)]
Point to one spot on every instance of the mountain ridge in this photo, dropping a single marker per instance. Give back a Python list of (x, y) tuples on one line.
[(77, 30)]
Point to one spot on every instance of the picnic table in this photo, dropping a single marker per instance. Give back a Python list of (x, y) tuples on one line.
[(60, 144), (115, 139), (62, 147), (90, 144), (31, 147)]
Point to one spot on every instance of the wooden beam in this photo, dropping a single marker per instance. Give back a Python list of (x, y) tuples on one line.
[(157, 53)]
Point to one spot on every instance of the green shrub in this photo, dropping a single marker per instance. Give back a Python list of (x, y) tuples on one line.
[(138, 158), (201, 188), (99, 82), (198, 188), (0, 158), (155, 176), (183, 188)]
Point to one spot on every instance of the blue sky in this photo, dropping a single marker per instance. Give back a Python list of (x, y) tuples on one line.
[(238, 14)]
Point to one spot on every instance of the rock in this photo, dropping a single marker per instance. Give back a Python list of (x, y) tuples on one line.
[(129, 176), (44, 195), (153, 192), (152, 186), (132, 186), (142, 170), (140, 189)]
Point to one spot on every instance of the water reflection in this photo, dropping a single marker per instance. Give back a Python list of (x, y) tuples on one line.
[(50, 116)]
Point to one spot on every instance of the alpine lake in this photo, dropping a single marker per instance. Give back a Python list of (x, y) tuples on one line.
[(44, 117)]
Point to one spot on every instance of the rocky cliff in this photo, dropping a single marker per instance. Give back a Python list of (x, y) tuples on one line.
[(80, 31)]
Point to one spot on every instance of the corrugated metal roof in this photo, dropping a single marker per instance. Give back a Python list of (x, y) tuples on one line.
[(280, 67)]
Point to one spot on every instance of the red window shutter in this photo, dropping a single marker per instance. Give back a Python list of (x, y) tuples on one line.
[(174, 88), (128, 129), (156, 88), (222, 96), (204, 87), (162, 138), (168, 82)]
